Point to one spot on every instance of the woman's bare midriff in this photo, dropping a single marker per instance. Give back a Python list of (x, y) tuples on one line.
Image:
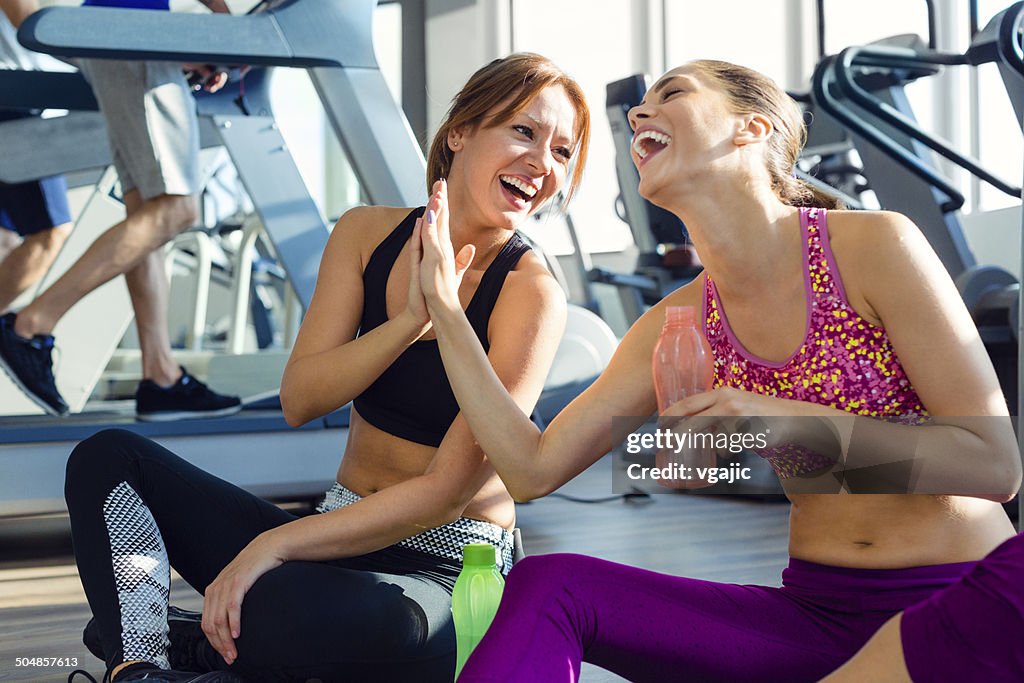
[(894, 531), (375, 460)]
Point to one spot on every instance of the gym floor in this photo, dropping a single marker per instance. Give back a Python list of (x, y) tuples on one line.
[(43, 608)]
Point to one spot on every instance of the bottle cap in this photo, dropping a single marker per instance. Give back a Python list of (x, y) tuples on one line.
[(680, 315), (479, 555)]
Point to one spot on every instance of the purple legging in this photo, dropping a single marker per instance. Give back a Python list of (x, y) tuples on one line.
[(559, 610), (973, 630)]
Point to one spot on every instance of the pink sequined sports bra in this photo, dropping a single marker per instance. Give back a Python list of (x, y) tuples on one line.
[(844, 361)]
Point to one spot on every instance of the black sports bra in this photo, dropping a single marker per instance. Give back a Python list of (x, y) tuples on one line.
[(412, 398)]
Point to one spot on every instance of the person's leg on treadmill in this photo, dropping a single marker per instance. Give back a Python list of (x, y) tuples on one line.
[(38, 212), (166, 391), (154, 139), (26, 339), (116, 252), (25, 264), (148, 288)]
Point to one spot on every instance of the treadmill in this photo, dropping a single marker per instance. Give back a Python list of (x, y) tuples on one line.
[(332, 40)]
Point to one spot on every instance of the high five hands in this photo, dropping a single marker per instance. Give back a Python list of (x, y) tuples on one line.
[(436, 271)]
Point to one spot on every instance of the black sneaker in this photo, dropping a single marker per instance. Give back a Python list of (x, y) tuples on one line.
[(144, 671), (188, 398), (189, 649), (29, 364)]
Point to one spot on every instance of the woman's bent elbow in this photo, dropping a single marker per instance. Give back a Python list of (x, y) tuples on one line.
[(1013, 476), (525, 491), (1005, 478), (293, 413), (293, 419)]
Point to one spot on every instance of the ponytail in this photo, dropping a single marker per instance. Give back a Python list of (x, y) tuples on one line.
[(800, 193)]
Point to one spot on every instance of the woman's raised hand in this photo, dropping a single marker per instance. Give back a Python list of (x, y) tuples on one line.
[(417, 305), (440, 269)]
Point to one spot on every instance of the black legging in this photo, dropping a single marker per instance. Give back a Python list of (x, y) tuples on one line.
[(135, 506)]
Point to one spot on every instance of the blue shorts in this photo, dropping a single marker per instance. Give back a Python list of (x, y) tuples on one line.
[(35, 206)]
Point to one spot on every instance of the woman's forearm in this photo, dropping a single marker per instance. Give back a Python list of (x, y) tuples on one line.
[(319, 383), (505, 433), (371, 523), (972, 456)]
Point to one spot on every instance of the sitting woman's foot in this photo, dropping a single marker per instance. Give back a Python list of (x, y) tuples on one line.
[(189, 650), (144, 671)]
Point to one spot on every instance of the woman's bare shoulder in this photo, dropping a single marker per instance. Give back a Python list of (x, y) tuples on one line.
[(365, 227), (858, 231), (531, 283)]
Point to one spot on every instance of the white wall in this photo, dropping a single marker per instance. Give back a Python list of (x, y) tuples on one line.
[(600, 41), (594, 51)]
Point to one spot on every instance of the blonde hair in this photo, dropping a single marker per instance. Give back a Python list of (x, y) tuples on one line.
[(750, 92), (520, 76)]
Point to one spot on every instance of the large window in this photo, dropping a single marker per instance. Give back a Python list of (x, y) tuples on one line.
[(310, 138), (752, 33), (590, 39), (999, 135)]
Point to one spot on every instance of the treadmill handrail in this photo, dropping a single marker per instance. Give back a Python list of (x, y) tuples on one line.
[(79, 143), (820, 87), (256, 39), (879, 56)]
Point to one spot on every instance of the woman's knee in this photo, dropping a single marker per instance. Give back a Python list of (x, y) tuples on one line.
[(100, 445), (548, 573), (96, 458)]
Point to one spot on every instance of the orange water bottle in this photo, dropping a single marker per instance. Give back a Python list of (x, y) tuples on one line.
[(683, 366)]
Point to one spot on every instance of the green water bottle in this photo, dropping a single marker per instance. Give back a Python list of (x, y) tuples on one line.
[(475, 598)]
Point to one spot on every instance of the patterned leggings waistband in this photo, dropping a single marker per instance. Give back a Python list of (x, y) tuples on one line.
[(444, 541)]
